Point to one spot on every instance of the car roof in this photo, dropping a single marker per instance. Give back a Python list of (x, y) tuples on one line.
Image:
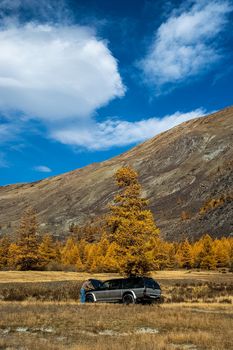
[(115, 279), (127, 278)]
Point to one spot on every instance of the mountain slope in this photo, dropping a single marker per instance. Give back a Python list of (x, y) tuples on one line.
[(180, 170)]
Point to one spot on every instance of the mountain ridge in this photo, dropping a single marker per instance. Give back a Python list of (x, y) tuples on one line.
[(180, 170)]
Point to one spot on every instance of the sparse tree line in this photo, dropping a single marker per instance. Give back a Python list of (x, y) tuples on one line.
[(128, 241)]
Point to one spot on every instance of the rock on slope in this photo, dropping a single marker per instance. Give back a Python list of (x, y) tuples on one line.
[(180, 170)]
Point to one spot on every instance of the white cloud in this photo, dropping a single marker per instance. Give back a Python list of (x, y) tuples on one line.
[(56, 73), (120, 133), (186, 44), (43, 169), (62, 74)]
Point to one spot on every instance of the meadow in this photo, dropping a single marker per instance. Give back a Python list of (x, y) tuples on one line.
[(40, 310)]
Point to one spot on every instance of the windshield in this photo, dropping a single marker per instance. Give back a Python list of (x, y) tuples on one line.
[(150, 283)]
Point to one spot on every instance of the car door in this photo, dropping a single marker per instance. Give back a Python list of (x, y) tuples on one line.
[(115, 290), (134, 285), (102, 293)]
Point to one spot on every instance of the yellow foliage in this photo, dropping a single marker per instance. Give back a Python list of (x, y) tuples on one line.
[(128, 242), (27, 257), (47, 250), (13, 254), (70, 254), (184, 255), (206, 255), (131, 225)]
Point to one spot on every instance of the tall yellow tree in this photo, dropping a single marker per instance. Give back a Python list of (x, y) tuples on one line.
[(70, 254), (131, 224), (27, 257), (162, 254), (206, 255), (47, 251), (184, 255), (221, 252), (111, 263)]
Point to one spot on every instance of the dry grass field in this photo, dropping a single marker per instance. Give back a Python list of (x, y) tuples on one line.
[(51, 325), (169, 276), (40, 310)]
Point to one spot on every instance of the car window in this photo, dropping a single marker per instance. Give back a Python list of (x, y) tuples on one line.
[(150, 283), (105, 285), (130, 283), (115, 284)]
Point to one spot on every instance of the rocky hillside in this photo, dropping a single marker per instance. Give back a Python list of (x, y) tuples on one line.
[(186, 172)]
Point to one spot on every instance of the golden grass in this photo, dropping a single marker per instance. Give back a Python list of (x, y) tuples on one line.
[(167, 276), (50, 325), (45, 276)]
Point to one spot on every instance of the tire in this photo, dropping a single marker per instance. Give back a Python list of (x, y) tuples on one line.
[(90, 299), (128, 299)]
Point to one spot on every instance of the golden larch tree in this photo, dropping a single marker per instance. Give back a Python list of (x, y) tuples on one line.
[(206, 255), (70, 254), (131, 224), (47, 251), (27, 256), (184, 255), (221, 252), (162, 254)]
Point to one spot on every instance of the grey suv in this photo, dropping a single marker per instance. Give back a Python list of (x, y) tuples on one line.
[(127, 290)]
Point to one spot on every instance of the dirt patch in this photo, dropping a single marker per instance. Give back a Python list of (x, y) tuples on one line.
[(113, 333), (27, 330), (184, 346)]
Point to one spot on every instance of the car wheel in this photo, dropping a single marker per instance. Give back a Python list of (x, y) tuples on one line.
[(128, 299), (90, 299)]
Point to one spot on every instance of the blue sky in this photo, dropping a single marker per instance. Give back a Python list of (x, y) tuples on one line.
[(82, 81)]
